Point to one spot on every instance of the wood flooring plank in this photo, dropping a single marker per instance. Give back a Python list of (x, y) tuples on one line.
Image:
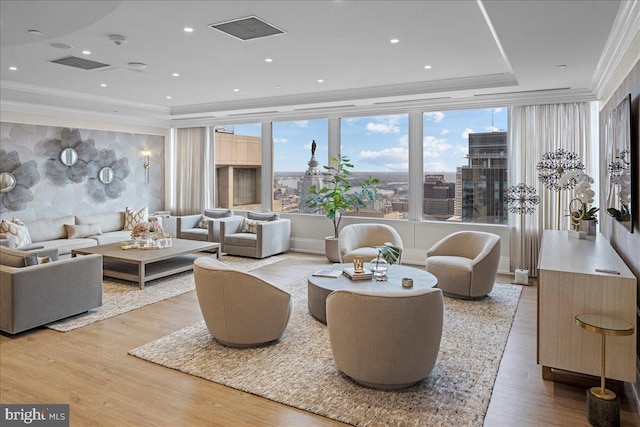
[(89, 368)]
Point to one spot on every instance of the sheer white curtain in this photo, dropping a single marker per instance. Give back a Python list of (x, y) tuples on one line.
[(192, 171), (533, 131)]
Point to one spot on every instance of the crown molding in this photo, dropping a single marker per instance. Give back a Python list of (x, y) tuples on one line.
[(347, 95), (398, 107), (620, 53), (62, 112)]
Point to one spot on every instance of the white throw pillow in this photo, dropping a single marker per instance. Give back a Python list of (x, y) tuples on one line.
[(131, 217), (16, 231)]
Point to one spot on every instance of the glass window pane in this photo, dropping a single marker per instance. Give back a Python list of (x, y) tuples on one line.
[(238, 157), (378, 147), (465, 164), (294, 172)]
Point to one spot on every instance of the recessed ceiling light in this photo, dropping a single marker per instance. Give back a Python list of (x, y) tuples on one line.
[(236, 90), (61, 45), (268, 60), (35, 32), (320, 81), (103, 85), (427, 67), (13, 68), (562, 66), (188, 30), (86, 52), (168, 96), (277, 86), (394, 41), (176, 74)]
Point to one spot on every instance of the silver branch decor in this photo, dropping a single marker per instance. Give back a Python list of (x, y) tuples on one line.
[(521, 199), (553, 165)]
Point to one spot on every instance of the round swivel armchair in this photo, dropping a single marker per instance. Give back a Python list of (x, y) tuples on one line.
[(465, 263), (385, 340), (358, 239), (239, 309)]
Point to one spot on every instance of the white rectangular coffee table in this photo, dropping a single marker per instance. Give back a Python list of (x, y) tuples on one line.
[(143, 265)]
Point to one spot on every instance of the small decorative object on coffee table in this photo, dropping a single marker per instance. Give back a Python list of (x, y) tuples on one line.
[(603, 406), (387, 255)]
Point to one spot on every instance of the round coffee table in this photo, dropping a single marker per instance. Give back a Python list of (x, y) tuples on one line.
[(319, 288)]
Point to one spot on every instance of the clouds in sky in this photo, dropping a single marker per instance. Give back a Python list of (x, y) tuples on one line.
[(381, 143), (384, 124), (436, 116)]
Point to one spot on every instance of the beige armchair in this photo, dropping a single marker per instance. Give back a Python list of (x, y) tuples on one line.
[(33, 294), (465, 263), (239, 309), (259, 235), (385, 340), (204, 227), (358, 239)]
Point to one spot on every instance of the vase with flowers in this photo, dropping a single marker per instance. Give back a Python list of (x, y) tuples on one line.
[(582, 190), (147, 231)]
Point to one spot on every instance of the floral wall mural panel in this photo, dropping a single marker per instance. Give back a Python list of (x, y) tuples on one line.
[(18, 178), (101, 187), (75, 169), (51, 200)]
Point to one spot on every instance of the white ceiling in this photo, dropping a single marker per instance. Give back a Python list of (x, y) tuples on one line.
[(479, 51)]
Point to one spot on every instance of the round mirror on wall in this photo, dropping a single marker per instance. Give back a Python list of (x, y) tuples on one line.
[(69, 156), (7, 182), (106, 175)]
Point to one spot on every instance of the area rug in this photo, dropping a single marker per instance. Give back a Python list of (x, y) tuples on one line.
[(299, 370), (120, 296)]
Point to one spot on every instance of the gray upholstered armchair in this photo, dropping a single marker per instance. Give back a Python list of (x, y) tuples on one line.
[(465, 263), (240, 309), (259, 235), (359, 239), (385, 340), (33, 294), (204, 227)]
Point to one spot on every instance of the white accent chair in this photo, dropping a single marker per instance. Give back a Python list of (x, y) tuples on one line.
[(240, 309), (358, 239), (465, 263), (385, 340)]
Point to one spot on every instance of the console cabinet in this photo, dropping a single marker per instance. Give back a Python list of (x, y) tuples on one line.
[(568, 284)]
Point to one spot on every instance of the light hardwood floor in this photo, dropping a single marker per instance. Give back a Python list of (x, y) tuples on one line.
[(89, 368)]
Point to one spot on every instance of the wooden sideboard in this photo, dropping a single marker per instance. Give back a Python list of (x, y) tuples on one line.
[(568, 284)]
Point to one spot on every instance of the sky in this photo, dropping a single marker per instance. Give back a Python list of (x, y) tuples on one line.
[(380, 143)]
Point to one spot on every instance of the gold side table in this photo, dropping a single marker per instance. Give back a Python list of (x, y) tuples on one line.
[(603, 406)]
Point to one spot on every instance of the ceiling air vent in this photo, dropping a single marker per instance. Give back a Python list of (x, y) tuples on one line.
[(85, 64), (247, 28)]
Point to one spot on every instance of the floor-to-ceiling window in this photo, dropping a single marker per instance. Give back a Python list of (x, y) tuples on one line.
[(378, 147), (465, 165), (238, 166), (294, 169)]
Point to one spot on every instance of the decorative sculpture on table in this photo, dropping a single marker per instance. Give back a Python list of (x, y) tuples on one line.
[(552, 167), (522, 199), (582, 214)]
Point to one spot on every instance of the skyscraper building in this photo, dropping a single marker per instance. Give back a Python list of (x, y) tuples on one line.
[(484, 179)]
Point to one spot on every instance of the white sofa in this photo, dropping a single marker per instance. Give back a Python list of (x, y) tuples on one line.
[(54, 233)]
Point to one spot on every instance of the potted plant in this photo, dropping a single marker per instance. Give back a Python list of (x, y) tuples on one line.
[(337, 197), (387, 255)]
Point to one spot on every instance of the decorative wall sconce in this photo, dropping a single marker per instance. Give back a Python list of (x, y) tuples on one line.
[(147, 156)]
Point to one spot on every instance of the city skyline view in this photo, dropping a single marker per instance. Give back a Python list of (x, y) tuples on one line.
[(380, 143)]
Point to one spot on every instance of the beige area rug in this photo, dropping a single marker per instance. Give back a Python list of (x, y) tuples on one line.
[(120, 296), (299, 370)]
